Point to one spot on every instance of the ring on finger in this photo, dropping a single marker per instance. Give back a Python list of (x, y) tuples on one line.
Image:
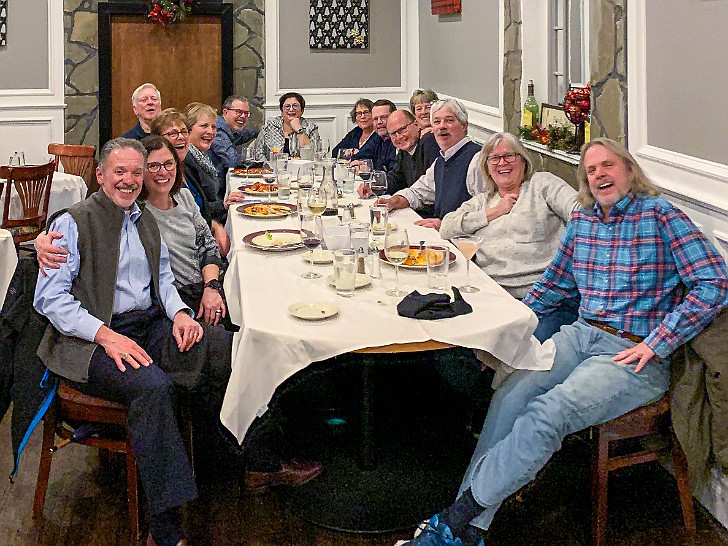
[(124, 356)]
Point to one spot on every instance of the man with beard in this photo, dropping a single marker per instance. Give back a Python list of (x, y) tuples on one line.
[(231, 132), (649, 281)]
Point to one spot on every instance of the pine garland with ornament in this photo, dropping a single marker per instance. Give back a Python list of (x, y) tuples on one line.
[(555, 137), (169, 11)]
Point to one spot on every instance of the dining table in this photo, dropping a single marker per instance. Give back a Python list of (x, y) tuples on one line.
[(262, 288), (66, 190), (272, 345), (8, 262)]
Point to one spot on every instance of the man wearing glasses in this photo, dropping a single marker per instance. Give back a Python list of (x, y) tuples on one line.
[(231, 132), (414, 155), (385, 158)]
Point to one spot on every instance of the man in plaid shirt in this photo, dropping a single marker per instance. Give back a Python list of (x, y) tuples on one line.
[(649, 281)]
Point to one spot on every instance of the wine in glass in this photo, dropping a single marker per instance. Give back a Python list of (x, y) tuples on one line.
[(247, 160), (468, 245), (269, 176), (317, 200), (378, 183), (396, 249), (311, 235)]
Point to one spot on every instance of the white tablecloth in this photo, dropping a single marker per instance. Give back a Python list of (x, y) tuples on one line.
[(272, 345), (66, 190), (8, 261)]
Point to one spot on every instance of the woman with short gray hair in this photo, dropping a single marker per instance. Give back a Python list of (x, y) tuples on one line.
[(519, 217)]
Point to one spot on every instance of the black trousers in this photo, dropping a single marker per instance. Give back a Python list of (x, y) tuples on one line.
[(164, 470)]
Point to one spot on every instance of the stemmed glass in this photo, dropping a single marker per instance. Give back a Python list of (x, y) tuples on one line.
[(269, 175), (378, 183), (247, 160), (311, 235), (396, 249), (468, 245), (317, 200), (322, 148)]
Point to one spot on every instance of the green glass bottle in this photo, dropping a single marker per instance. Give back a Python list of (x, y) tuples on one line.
[(530, 108)]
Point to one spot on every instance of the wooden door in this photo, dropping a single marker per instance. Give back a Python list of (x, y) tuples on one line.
[(187, 61)]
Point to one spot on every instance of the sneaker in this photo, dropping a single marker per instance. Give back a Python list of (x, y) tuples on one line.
[(432, 532)]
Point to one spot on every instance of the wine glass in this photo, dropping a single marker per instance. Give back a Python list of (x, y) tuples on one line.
[(364, 169), (396, 249), (311, 235), (378, 183), (316, 201), (468, 245), (269, 176), (247, 159)]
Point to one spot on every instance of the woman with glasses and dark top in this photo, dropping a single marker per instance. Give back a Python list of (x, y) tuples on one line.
[(362, 141), (520, 218), (276, 133), (172, 125)]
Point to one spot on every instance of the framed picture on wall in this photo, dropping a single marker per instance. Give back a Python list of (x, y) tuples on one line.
[(553, 114), (338, 24), (3, 23)]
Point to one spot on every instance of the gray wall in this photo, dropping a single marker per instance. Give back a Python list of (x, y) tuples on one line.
[(687, 78), (467, 45), (24, 62), (301, 67)]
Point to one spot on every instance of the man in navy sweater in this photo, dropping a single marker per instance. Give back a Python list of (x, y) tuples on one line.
[(454, 177)]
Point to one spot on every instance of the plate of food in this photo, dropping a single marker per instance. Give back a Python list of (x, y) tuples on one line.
[(253, 171), (274, 240), (313, 310), (266, 210), (259, 188), (417, 259)]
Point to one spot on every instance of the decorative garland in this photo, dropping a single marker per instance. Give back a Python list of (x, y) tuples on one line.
[(555, 137), (169, 11)]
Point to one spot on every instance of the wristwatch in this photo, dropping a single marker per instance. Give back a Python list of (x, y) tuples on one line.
[(215, 284), (300, 131)]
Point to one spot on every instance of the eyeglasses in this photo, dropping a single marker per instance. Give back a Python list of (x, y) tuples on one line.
[(362, 113), (507, 158), (175, 133), (168, 166), (291, 106), (240, 113), (401, 131)]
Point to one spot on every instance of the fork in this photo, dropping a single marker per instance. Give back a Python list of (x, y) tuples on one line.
[(422, 249)]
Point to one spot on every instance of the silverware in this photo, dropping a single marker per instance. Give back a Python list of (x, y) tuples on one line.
[(422, 249)]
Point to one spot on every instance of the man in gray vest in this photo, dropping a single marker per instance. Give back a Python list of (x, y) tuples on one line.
[(113, 310)]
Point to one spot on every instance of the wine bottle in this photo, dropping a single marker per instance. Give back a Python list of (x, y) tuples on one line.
[(530, 108)]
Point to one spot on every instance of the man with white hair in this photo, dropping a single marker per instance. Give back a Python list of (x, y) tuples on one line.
[(454, 177), (146, 102)]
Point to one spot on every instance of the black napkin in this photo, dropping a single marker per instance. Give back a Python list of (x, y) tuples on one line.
[(433, 306)]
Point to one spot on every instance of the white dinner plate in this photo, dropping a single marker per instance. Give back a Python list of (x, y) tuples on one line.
[(320, 257), (345, 201), (313, 310), (362, 280)]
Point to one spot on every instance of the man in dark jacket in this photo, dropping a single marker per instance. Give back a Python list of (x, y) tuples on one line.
[(146, 102)]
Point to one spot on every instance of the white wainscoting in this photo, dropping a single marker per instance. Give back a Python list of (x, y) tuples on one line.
[(697, 186), (32, 118)]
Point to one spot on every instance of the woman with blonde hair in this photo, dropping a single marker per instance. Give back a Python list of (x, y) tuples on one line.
[(420, 103)]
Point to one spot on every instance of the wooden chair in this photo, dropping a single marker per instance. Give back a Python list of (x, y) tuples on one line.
[(78, 160), (33, 185), (74, 406), (650, 420)]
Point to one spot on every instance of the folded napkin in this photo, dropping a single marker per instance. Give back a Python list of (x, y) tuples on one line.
[(433, 306)]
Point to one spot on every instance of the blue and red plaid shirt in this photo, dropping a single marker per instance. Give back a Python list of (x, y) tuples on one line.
[(644, 269)]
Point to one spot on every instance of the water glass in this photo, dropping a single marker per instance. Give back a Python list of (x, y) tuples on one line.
[(306, 151), (337, 237), (359, 237), (438, 263), (379, 216), (284, 185), (345, 268), (345, 178)]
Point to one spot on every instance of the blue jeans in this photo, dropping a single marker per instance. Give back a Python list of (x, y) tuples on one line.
[(532, 412)]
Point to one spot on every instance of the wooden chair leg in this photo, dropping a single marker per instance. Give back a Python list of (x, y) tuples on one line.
[(132, 486), (683, 486), (600, 475), (46, 455)]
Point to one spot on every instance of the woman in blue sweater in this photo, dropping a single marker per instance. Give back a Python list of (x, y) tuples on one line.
[(362, 141)]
